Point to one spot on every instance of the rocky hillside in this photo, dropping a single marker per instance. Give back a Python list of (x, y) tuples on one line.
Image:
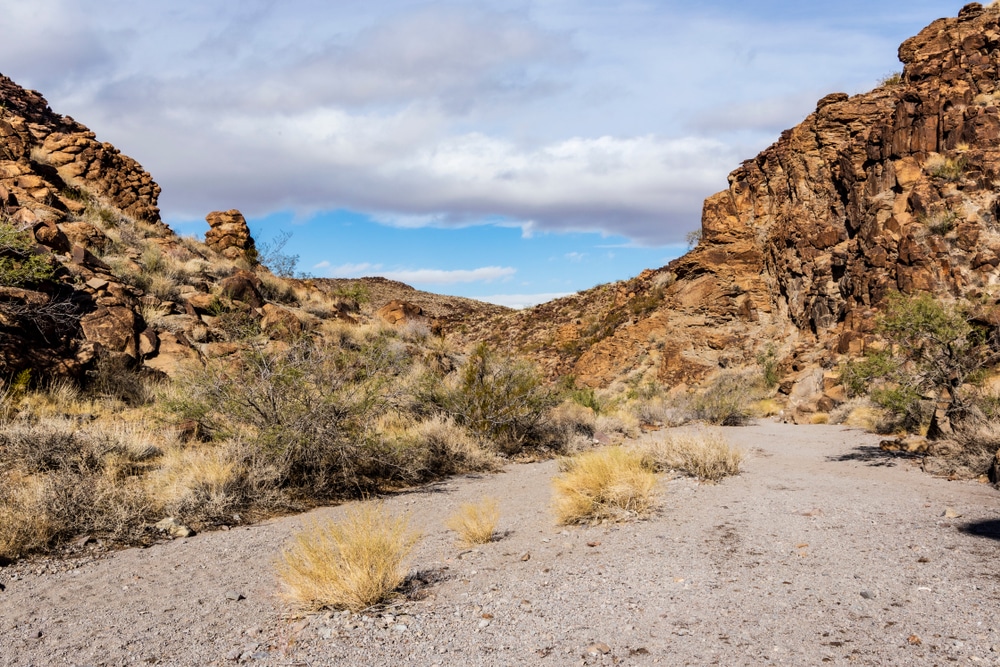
[(109, 279), (891, 190)]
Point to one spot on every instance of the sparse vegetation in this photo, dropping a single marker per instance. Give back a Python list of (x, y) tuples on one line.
[(612, 483), (500, 399), (705, 455), (939, 223), (476, 523), (891, 80), (354, 564), (19, 264), (728, 400), (946, 168), (933, 352)]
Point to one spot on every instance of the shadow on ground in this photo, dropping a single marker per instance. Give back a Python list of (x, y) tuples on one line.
[(989, 529), (874, 456)]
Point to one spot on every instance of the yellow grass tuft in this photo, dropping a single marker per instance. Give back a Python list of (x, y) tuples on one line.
[(476, 523), (353, 564), (705, 455), (820, 418), (608, 483)]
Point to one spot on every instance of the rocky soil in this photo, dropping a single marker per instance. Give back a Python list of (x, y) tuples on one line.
[(825, 550)]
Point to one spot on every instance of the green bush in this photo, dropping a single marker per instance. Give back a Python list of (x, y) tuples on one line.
[(19, 265), (500, 400), (727, 401), (307, 413)]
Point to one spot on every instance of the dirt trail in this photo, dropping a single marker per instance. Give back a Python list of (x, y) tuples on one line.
[(822, 551)]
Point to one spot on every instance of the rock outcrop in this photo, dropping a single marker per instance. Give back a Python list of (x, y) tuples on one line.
[(229, 235), (891, 190)]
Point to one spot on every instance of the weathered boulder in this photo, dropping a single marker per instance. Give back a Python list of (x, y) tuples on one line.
[(278, 322), (400, 312), (229, 235), (113, 328), (245, 287)]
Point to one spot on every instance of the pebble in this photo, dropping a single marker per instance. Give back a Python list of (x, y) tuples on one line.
[(869, 595), (484, 623), (598, 648), (235, 595)]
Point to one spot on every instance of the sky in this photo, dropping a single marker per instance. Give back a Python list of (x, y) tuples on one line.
[(508, 151)]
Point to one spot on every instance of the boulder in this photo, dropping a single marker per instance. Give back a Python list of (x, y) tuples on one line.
[(229, 235), (113, 328), (245, 287), (398, 312), (278, 322)]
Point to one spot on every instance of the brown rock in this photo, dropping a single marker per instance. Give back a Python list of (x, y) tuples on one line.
[(174, 356), (399, 312), (278, 322), (84, 234), (245, 287), (48, 234), (113, 328), (229, 235)]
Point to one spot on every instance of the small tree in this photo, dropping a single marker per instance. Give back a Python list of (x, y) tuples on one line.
[(20, 265), (934, 349)]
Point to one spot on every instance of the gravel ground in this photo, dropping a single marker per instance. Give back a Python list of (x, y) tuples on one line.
[(823, 551)]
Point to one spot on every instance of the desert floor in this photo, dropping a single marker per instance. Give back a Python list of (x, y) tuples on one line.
[(824, 550)]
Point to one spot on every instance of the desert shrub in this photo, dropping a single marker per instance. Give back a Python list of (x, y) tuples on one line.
[(270, 255), (57, 481), (933, 351), (476, 523), (353, 564), (500, 400), (706, 455), (586, 397), (355, 291), (939, 223), (448, 449), (19, 265), (612, 483), (891, 80), (728, 400), (200, 484), (115, 376), (946, 168), (308, 409), (768, 362)]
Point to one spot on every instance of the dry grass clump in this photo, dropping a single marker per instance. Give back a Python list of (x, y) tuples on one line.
[(353, 564), (705, 455), (58, 480), (612, 483), (476, 523)]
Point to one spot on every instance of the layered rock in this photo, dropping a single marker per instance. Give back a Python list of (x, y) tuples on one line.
[(229, 235), (891, 190)]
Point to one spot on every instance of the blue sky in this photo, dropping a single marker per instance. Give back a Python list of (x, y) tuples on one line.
[(509, 151)]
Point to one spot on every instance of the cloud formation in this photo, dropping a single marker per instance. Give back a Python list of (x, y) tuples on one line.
[(545, 115)]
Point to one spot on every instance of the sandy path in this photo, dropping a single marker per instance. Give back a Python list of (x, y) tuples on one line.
[(822, 551)]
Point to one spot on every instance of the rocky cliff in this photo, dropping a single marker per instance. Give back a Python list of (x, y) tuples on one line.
[(119, 284), (891, 190)]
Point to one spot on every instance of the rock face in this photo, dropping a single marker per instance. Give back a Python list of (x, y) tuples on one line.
[(891, 190), (229, 235), (400, 312)]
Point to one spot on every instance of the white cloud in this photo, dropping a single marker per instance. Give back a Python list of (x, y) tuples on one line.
[(348, 270), (575, 256), (521, 300), (486, 274)]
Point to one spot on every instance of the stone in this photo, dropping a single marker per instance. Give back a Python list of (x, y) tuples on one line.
[(398, 312), (174, 355), (172, 527), (229, 235), (113, 328), (278, 322), (243, 286), (598, 648), (84, 234)]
